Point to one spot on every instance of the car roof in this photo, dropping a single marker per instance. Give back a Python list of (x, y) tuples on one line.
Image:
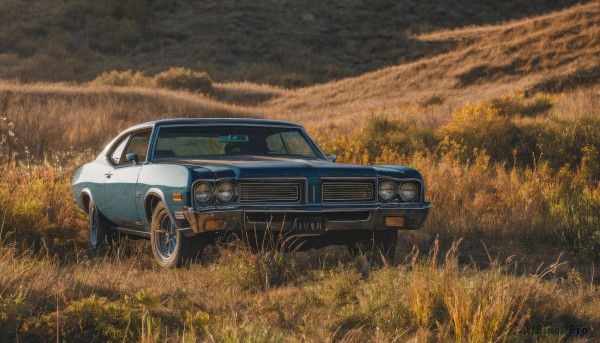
[(229, 121)]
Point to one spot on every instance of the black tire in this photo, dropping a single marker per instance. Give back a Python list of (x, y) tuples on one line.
[(170, 247), (99, 231), (381, 245)]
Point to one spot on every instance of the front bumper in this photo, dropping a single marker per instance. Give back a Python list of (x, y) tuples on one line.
[(306, 220)]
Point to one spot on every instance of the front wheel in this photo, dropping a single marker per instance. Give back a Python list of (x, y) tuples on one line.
[(169, 246), (380, 245)]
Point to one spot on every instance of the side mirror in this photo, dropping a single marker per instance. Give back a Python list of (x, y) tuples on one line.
[(133, 158), (332, 157)]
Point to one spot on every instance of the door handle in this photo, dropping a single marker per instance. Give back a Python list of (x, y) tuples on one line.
[(109, 174)]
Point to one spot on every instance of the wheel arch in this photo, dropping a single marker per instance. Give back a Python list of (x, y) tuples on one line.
[(151, 199), (85, 196)]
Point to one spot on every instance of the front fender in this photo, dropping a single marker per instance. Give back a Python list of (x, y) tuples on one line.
[(163, 181)]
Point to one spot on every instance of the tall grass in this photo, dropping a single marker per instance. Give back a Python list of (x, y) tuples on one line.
[(484, 198), (497, 201), (432, 298)]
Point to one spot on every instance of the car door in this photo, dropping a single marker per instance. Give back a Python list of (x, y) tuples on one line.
[(121, 180)]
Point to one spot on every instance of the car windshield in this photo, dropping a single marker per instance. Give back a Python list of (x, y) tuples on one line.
[(196, 142)]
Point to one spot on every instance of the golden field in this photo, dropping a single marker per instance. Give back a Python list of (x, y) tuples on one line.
[(503, 121)]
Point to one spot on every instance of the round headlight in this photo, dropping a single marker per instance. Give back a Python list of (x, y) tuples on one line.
[(387, 190), (203, 192), (408, 191), (226, 192)]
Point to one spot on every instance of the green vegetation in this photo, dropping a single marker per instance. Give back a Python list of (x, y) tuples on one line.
[(486, 128), (173, 78), (123, 79), (181, 78)]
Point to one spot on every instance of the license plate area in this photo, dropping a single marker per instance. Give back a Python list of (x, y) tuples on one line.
[(288, 221), (310, 224)]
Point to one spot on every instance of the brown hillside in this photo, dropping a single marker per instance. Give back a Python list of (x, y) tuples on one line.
[(548, 52), (289, 43)]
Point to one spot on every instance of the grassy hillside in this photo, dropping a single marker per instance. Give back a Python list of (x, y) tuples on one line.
[(553, 52), (502, 119), (285, 43)]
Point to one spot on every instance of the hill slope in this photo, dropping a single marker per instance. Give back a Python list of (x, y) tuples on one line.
[(549, 52), (286, 43)]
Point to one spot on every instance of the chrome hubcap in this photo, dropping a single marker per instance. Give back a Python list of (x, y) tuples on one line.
[(166, 241)]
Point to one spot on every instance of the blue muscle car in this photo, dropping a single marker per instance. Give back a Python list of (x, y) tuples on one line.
[(184, 182)]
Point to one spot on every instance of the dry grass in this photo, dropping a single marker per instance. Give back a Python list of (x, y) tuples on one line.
[(487, 62), (52, 289), (427, 299), (558, 50), (51, 117), (515, 207), (288, 44)]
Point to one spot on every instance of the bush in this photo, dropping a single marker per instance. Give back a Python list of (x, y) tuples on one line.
[(97, 318), (480, 127), (174, 78), (560, 143), (123, 79), (573, 206), (405, 136), (182, 78), (516, 104)]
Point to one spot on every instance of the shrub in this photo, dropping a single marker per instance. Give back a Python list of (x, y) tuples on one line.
[(96, 318), (174, 78), (573, 206), (479, 127), (516, 104), (123, 79), (405, 136), (561, 142), (182, 78), (38, 209)]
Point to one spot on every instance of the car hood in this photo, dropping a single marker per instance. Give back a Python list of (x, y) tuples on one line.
[(266, 166)]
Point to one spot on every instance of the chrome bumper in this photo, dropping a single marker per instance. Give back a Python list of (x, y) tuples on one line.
[(309, 220)]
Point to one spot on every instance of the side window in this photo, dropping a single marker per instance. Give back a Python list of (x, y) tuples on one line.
[(117, 153), (138, 144)]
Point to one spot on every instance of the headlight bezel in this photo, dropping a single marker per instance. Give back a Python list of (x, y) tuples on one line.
[(400, 191), (392, 188), (210, 192), (233, 190)]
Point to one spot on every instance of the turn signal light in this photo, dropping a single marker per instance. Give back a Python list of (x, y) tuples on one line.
[(394, 221)]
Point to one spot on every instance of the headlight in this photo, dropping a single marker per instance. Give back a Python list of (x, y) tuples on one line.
[(408, 191), (387, 190), (203, 192), (226, 192)]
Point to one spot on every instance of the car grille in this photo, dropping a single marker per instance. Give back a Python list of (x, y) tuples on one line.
[(270, 192), (348, 191)]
